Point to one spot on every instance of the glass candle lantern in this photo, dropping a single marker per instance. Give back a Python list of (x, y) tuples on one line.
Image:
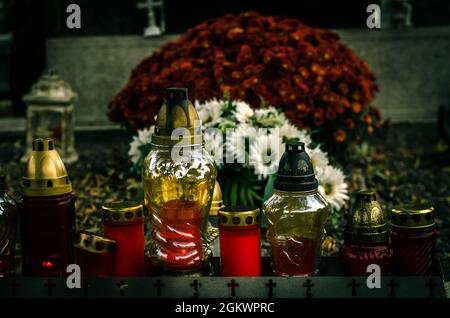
[(240, 241), (47, 213), (296, 214), (8, 228), (179, 177), (123, 222), (413, 239), (50, 114), (95, 255), (366, 237)]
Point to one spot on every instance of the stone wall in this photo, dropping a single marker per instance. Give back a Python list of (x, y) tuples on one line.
[(412, 65)]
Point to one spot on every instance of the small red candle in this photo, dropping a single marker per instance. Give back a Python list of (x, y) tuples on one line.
[(240, 241), (123, 222), (413, 240), (95, 255)]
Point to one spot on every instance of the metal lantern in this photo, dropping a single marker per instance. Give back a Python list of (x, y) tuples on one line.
[(50, 114)]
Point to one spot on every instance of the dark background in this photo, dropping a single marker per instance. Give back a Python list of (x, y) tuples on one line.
[(31, 22)]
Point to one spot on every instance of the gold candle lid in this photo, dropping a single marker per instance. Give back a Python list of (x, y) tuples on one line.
[(177, 112), (238, 216), (46, 174), (122, 212), (413, 216), (366, 222), (94, 243)]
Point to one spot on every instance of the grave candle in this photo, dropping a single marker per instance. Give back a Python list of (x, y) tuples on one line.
[(47, 213), (95, 255), (366, 237), (240, 241), (296, 214), (413, 239), (8, 229), (123, 222)]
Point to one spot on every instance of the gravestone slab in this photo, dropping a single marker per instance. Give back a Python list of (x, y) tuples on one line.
[(412, 67)]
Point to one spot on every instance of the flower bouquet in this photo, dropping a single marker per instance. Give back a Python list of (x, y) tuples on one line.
[(247, 145), (308, 73)]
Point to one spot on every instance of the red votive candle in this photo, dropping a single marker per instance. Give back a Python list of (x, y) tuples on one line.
[(240, 241), (413, 240), (123, 222), (95, 255), (47, 213), (366, 237)]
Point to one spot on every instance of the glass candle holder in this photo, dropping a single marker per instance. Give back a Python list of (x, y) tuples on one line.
[(8, 228), (95, 255), (123, 222), (47, 213), (296, 214), (366, 237), (178, 177), (413, 240), (240, 241)]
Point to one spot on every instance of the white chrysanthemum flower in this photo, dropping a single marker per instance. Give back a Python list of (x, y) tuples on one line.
[(319, 158), (332, 186), (289, 131), (210, 112), (268, 117), (144, 137), (243, 112), (235, 143), (265, 154), (214, 145)]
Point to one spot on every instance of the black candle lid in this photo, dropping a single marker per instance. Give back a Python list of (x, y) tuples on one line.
[(295, 171)]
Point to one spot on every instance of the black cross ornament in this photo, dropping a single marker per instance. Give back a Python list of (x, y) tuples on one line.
[(353, 284), (308, 284), (270, 284), (233, 285), (158, 286), (392, 285), (49, 285), (196, 285)]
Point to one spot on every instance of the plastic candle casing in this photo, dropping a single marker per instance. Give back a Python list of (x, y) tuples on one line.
[(240, 241)]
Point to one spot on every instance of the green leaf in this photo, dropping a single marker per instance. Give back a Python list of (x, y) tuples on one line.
[(268, 189), (242, 195), (250, 194), (233, 192)]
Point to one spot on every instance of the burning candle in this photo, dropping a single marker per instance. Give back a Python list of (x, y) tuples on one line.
[(47, 213)]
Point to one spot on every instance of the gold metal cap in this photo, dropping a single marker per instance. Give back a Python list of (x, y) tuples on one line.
[(366, 222), (46, 174), (122, 212), (94, 243), (413, 216), (177, 112), (239, 216), (217, 200)]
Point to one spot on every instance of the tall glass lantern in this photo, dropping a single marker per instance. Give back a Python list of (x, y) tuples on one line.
[(50, 114)]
